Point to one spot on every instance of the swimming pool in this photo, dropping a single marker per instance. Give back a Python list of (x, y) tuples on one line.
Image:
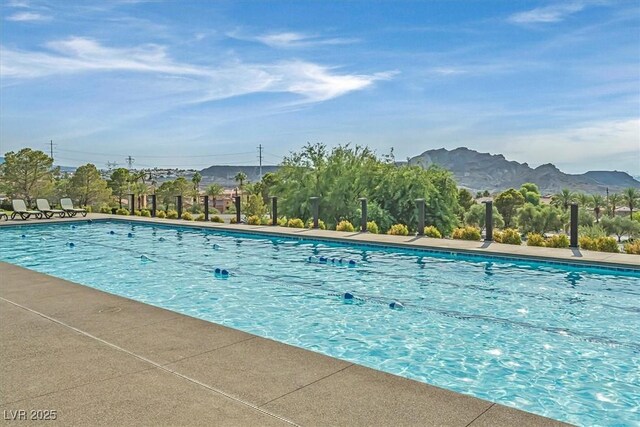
[(560, 341)]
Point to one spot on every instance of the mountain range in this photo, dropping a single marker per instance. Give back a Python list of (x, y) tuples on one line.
[(484, 171)]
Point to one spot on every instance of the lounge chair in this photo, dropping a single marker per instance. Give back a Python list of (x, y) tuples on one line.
[(45, 208), (67, 206), (20, 208)]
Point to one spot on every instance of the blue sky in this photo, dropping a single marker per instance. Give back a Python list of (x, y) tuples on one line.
[(194, 83)]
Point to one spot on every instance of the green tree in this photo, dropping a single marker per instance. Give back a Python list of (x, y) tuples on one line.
[(621, 226), (531, 193), (87, 187), (476, 216), (240, 178), (168, 191), (465, 199), (196, 179), (539, 219), (119, 183), (563, 199), (597, 202), (27, 174), (631, 197), (254, 206), (508, 203), (615, 200), (214, 191), (584, 200)]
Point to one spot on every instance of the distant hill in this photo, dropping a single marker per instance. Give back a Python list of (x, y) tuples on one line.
[(483, 171), (225, 175)]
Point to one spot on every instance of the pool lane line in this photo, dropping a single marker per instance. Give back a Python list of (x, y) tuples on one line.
[(155, 364)]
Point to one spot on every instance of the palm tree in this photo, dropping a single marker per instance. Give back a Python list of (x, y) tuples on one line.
[(631, 196), (197, 177), (241, 177), (615, 200), (563, 199), (597, 201), (584, 200), (214, 191)]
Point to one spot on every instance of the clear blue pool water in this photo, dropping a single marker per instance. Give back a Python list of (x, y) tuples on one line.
[(559, 341)]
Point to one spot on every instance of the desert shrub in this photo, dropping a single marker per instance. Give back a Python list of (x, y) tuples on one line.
[(217, 219), (214, 211), (122, 211), (172, 214), (137, 212), (265, 220), (345, 226), (431, 231), (398, 230), (558, 241), (607, 244), (321, 224), (145, 213), (195, 209), (233, 220), (253, 220), (295, 223), (632, 247), (593, 231), (588, 243), (508, 236), (187, 216), (282, 221), (467, 233), (372, 227), (535, 239), (105, 209), (200, 217), (89, 209), (161, 214)]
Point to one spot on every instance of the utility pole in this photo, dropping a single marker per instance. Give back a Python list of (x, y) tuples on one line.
[(130, 161), (51, 148), (260, 157), (111, 166)]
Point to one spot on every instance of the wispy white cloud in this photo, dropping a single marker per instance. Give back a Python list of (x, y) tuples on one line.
[(27, 17), (547, 14), (289, 39), (313, 82)]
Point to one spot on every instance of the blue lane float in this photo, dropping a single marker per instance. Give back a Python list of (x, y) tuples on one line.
[(221, 273), (73, 227), (130, 235), (112, 232), (89, 221), (347, 295), (396, 305), (71, 244), (24, 236), (334, 261), (161, 239), (145, 258)]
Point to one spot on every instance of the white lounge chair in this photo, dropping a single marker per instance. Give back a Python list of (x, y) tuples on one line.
[(20, 209), (45, 208), (67, 206)]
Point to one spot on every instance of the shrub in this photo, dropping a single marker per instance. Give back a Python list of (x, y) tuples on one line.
[(172, 214), (372, 227), (233, 220), (508, 236), (632, 247), (431, 231), (122, 211), (214, 211), (321, 224), (535, 239), (467, 233), (200, 217), (295, 223), (145, 213), (607, 244), (187, 216), (161, 214), (398, 230), (588, 243), (558, 241), (137, 212), (253, 220), (265, 220), (195, 209), (217, 219), (282, 221), (105, 209), (593, 232), (345, 226), (89, 209)]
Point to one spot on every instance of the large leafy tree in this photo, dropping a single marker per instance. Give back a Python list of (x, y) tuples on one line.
[(119, 182), (531, 193), (477, 217), (465, 199), (539, 219), (508, 202), (621, 226), (27, 174), (631, 197), (87, 187), (168, 191)]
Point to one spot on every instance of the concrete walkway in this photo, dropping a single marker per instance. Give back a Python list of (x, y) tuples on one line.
[(99, 359)]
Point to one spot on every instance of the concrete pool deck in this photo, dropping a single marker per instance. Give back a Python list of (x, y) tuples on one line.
[(100, 359)]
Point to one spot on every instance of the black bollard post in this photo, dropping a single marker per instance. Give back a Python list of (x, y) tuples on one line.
[(363, 217), (420, 204), (488, 221), (238, 216), (315, 208), (206, 207), (133, 204), (153, 206), (274, 210), (179, 206), (574, 225)]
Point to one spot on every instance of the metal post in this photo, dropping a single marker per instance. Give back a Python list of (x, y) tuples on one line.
[(153, 205), (238, 217), (179, 206), (574, 225), (206, 207), (133, 204), (420, 204), (274, 210), (315, 208), (488, 221), (363, 218)]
